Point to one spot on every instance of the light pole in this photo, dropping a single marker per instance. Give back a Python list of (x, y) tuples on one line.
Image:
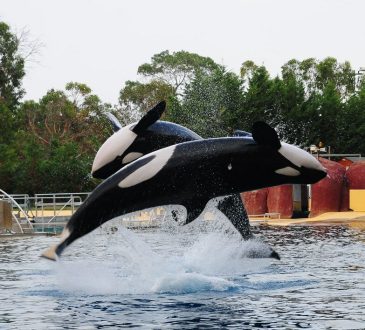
[(317, 149), (359, 74)]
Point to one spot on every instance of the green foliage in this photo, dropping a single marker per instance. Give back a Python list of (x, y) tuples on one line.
[(53, 143), (136, 98), (207, 103), (177, 69), (11, 68), (48, 146), (167, 77)]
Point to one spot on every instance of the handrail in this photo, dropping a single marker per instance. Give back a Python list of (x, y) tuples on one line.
[(22, 199), (18, 223), (20, 208), (57, 202), (69, 202)]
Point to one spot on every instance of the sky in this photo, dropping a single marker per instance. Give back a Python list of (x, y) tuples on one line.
[(102, 42)]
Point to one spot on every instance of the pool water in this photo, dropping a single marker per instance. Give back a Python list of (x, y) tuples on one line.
[(189, 277)]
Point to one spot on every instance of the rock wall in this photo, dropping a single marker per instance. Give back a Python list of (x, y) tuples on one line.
[(280, 200), (327, 193)]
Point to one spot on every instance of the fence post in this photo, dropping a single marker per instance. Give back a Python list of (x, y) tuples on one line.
[(6, 222)]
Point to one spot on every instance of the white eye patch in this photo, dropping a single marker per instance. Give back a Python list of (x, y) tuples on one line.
[(300, 157), (131, 157), (114, 146), (288, 171)]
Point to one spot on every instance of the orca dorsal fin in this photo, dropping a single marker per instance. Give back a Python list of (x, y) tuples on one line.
[(150, 117), (265, 135), (241, 133), (114, 121)]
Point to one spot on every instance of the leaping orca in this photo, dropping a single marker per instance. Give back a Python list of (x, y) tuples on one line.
[(150, 134), (136, 140), (190, 174)]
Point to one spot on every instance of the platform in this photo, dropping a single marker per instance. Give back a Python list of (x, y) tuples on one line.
[(329, 218)]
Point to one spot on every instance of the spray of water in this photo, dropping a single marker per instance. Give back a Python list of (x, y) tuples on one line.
[(202, 256)]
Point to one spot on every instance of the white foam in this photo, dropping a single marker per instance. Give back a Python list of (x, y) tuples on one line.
[(127, 262)]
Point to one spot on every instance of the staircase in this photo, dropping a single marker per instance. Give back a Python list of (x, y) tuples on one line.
[(19, 224)]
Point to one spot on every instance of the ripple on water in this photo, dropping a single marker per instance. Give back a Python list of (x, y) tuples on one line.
[(196, 276)]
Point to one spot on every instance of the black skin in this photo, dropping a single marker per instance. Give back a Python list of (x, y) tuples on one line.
[(196, 172), (158, 135), (161, 134)]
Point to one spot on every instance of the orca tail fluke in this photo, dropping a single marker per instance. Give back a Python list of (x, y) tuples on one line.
[(54, 252), (50, 253)]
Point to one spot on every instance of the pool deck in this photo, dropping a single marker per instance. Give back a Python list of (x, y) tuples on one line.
[(329, 218)]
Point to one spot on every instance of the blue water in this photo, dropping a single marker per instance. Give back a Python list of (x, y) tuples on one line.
[(186, 278)]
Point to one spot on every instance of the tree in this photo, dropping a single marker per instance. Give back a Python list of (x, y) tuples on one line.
[(177, 69), (167, 77), (289, 114), (258, 100), (11, 68), (55, 142), (136, 98), (208, 103), (247, 69), (315, 75), (351, 128)]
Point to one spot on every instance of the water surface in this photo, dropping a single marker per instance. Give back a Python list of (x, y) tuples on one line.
[(185, 278)]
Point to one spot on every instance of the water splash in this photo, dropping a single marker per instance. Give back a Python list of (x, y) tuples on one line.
[(201, 261)]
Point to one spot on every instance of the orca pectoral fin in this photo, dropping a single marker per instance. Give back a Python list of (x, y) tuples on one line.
[(114, 122), (50, 253), (54, 251), (193, 209), (150, 117), (232, 207)]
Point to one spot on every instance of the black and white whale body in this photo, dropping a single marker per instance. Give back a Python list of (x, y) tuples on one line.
[(138, 139), (150, 134), (190, 174)]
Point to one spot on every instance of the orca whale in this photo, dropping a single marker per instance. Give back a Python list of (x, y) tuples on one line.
[(136, 140), (190, 174), (151, 134)]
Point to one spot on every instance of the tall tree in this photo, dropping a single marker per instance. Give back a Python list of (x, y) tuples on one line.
[(315, 75), (55, 142), (208, 103), (136, 98), (11, 68), (167, 76), (176, 69), (258, 99)]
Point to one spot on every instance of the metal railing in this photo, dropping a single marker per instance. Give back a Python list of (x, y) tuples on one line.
[(49, 207), (50, 212), (145, 219), (15, 204), (17, 199)]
